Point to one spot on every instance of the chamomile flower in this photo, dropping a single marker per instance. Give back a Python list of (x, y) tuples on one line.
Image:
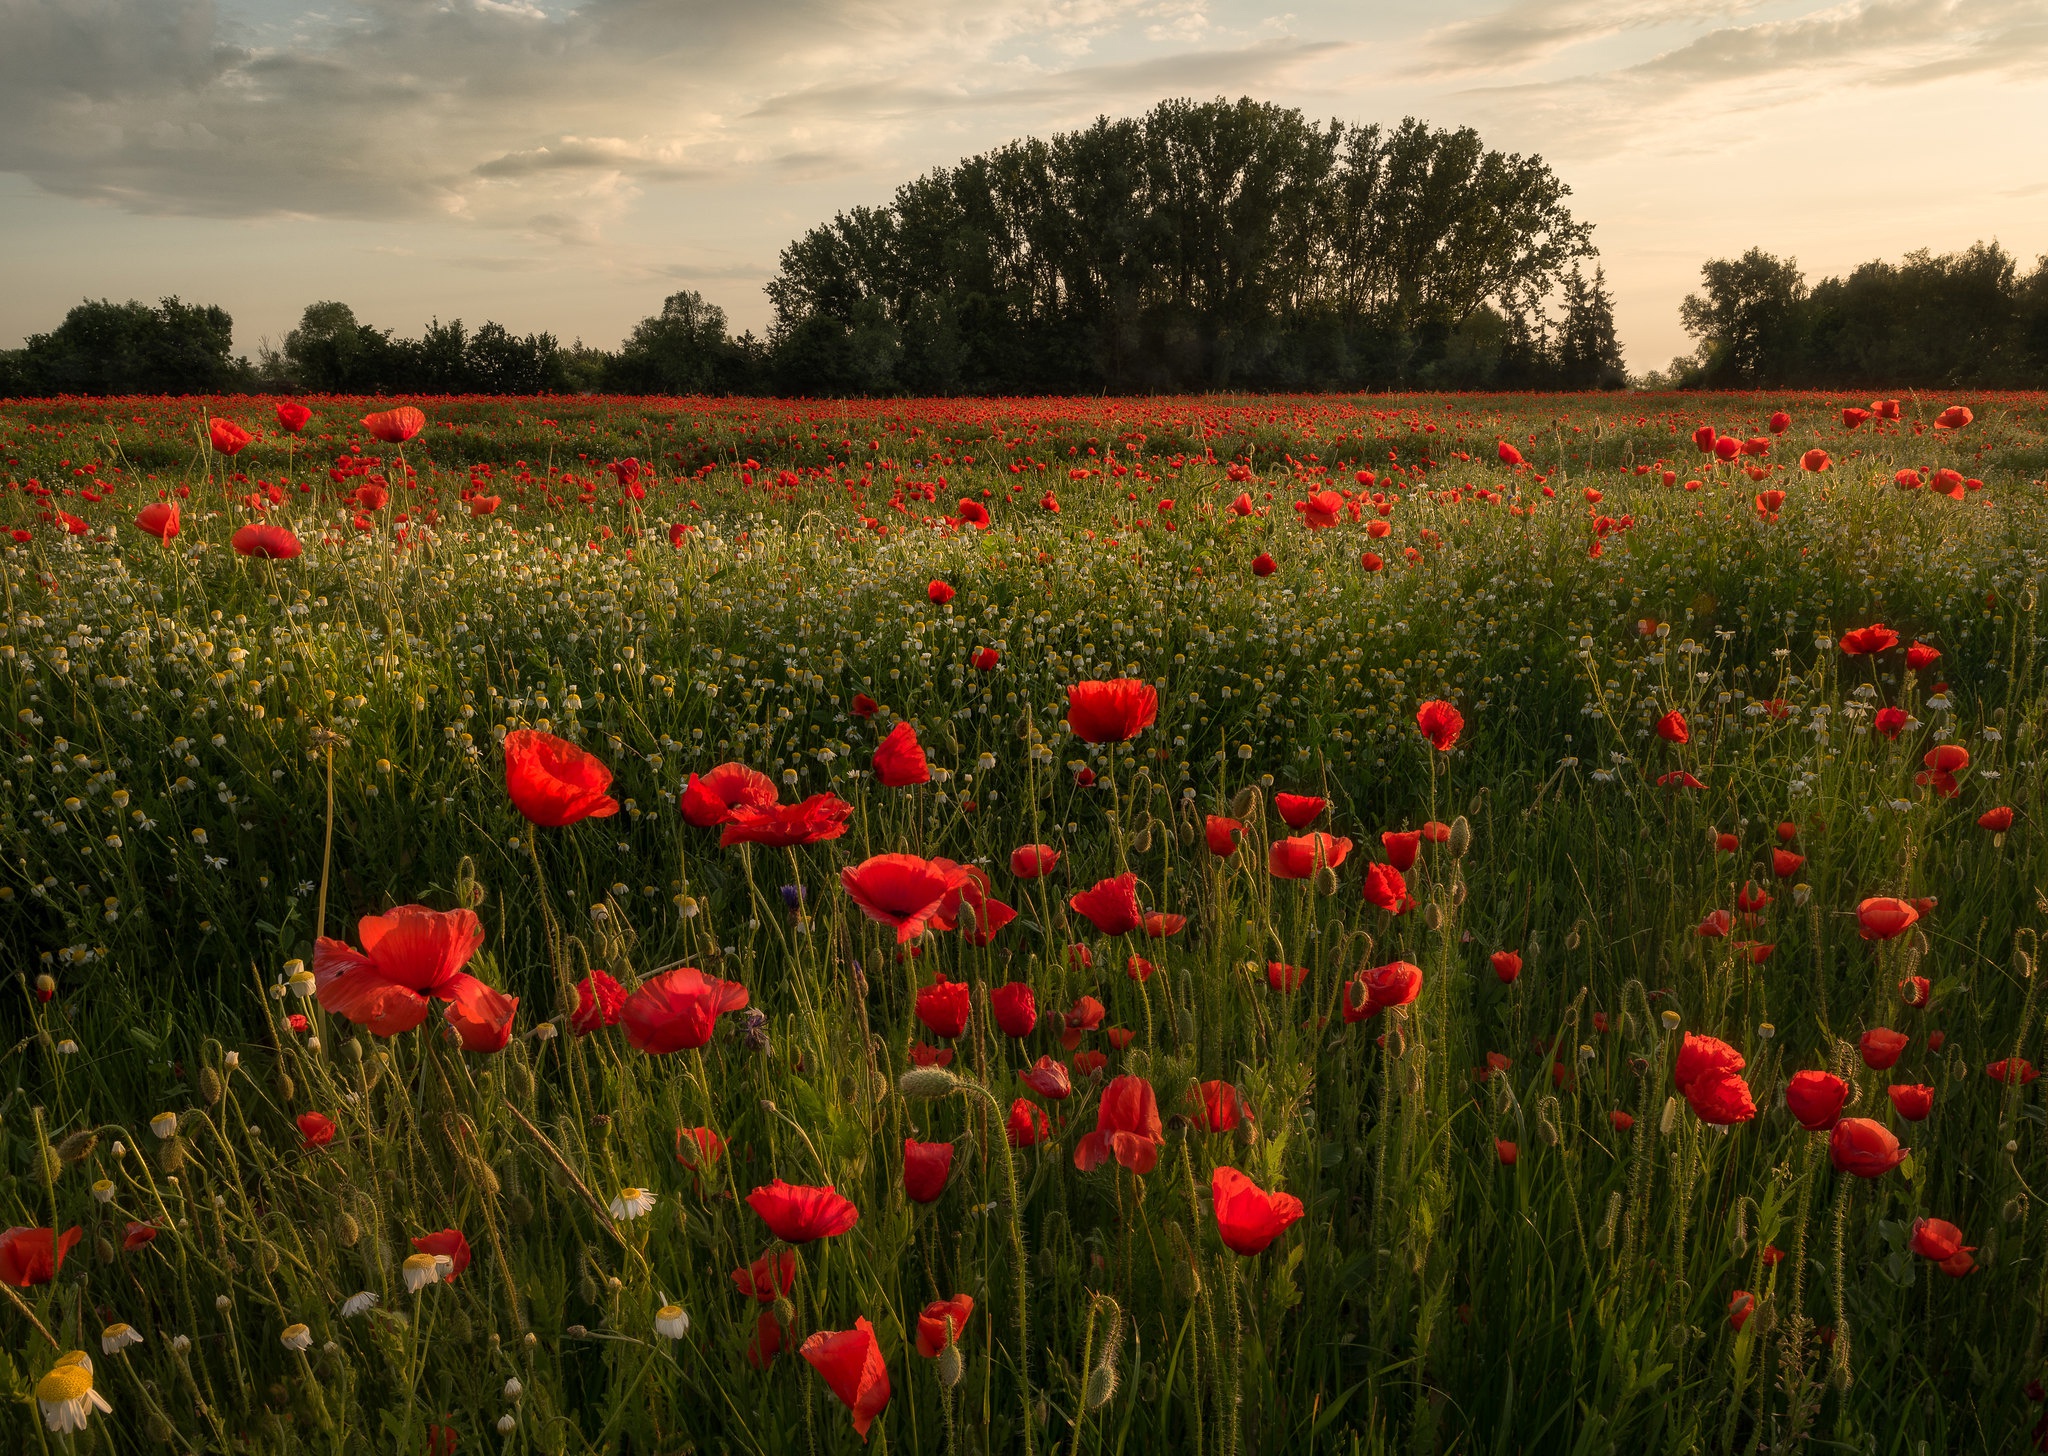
[(103, 1189), (420, 1271), (672, 1321), (66, 1394), (296, 1337), (118, 1337), (356, 1304), (164, 1124), (633, 1203)]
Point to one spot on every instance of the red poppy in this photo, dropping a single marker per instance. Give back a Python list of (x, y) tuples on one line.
[(1714, 925), (1953, 418), (480, 1017), (30, 1256), (292, 416), (1396, 983), (1769, 503), (1815, 460), (1159, 925), (227, 437), (315, 1130), (1913, 1103), (447, 1243), (767, 1277), (1506, 1152), (1085, 1015), (1507, 965), (1111, 711), (710, 799), (678, 1010), (1248, 1218), (1881, 917), (553, 782), (932, 1320), (1785, 864), (1028, 1126), (1138, 968), (1815, 1099), (851, 1362), (944, 1006), (1750, 901), (930, 1056), (158, 519), (1111, 906), (1015, 1008), (1890, 722), (1741, 1305), (1126, 1126), (137, 1235), (1864, 1148), (1671, 728), (864, 707), (1089, 1063), (1620, 1121), (1996, 820), (1699, 1055), (1881, 1047), (1221, 835), (1385, 888), (906, 893), (1720, 1098), (1030, 861), (1863, 641), (1440, 723), (767, 1341), (395, 426), (797, 1213), (2010, 1070), (1508, 454), (1283, 977), (1264, 565), (1299, 857), (940, 592), (925, 1169), (1402, 845), (1299, 810), (1937, 1239), (1780, 422), (599, 999), (1221, 1106), (271, 543), (698, 1147), (409, 954), (1048, 1079), (900, 761), (818, 818)]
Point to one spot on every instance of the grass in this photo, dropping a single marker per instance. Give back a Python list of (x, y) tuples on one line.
[(183, 714)]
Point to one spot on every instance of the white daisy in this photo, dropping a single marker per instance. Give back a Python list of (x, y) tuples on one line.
[(66, 1394), (164, 1124), (297, 1337), (672, 1321), (420, 1271), (355, 1304), (103, 1189), (118, 1337), (633, 1203)]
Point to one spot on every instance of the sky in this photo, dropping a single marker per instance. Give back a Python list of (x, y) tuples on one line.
[(563, 166)]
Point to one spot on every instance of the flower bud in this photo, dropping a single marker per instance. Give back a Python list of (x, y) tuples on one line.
[(1461, 836), (1101, 1387), (920, 1083), (951, 1366)]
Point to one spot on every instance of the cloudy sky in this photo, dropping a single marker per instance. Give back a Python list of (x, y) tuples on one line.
[(563, 164)]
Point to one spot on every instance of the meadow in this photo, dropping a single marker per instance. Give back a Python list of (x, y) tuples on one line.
[(1350, 924)]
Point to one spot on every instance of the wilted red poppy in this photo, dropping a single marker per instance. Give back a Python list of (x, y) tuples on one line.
[(448, 1244), (1299, 810), (1881, 1047), (2010, 1070), (900, 761), (698, 1147), (797, 1213), (1865, 1148), (1441, 723), (1913, 1103), (292, 415), (158, 519), (227, 437), (1507, 965), (818, 818), (1048, 1079), (409, 954), (1671, 728), (1862, 641), (1126, 1126), (1953, 418), (316, 1130), (1815, 1099), (599, 999), (851, 1362), (553, 782), (1114, 710), (1937, 1239), (395, 426), (1111, 906), (678, 1010), (1030, 861), (1385, 888), (1015, 1008), (925, 1168), (1248, 1218), (709, 800), (1881, 917), (1299, 857), (932, 1321), (944, 1005), (270, 543), (770, 1275), (31, 1256), (137, 1235)]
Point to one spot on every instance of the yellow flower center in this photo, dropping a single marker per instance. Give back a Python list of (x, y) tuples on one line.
[(69, 1381)]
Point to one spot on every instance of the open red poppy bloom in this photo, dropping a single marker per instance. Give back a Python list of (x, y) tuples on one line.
[(1385, 888), (940, 592), (1720, 1098), (1508, 454), (1111, 906), (1220, 1106), (1299, 857), (1396, 983), (292, 416), (1048, 1079), (1863, 641), (932, 1320), (1864, 1148), (1127, 1127), (1441, 723), (409, 954), (227, 437), (395, 426), (1913, 1103), (1780, 422), (851, 1362), (1507, 965), (767, 1341), (1264, 565), (900, 761), (944, 1006), (1402, 845), (1671, 728), (270, 543), (599, 1000), (678, 1010), (553, 782), (1997, 821), (1299, 810), (797, 1213), (316, 1130), (1085, 1015), (710, 799), (1698, 1055), (480, 1017), (781, 826), (448, 1244), (1937, 1239), (1815, 460), (1248, 1218), (1953, 418), (2011, 1070), (137, 1235), (1221, 834), (1815, 1099), (1881, 917), (768, 1276), (1881, 1047), (31, 1256), (158, 519), (863, 707), (1030, 861), (925, 1168), (906, 893), (1283, 977), (1114, 710)]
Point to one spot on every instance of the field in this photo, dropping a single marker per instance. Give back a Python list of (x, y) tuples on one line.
[(1670, 892)]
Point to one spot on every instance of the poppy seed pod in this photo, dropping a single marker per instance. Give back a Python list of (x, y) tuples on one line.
[(924, 1083), (1461, 836), (77, 1147)]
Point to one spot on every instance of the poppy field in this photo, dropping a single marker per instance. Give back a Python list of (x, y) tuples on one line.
[(1348, 924)]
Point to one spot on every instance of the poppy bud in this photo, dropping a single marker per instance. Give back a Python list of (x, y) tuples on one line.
[(285, 1086), (1461, 836), (1433, 917), (1101, 1387), (951, 1367), (347, 1231), (920, 1083), (209, 1086), (1326, 882), (1244, 804), (77, 1147), (784, 1311)]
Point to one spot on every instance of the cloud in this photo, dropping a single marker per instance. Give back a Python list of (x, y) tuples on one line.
[(1529, 31)]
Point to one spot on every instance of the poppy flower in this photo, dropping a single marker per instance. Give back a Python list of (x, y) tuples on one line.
[(1221, 835), (974, 513), (1699, 1055), (1508, 454), (1299, 810), (292, 416), (925, 1169), (1714, 925), (1114, 710), (1159, 925), (1396, 983), (1863, 641), (709, 800), (409, 954), (1371, 561), (1283, 977), (270, 543), (1027, 1126), (1720, 1098), (906, 892), (1385, 888), (227, 437), (1703, 439), (1671, 728), (315, 1130), (1248, 1218), (1815, 460), (1995, 820), (1864, 1148), (1015, 1008), (1220, 1106), (1401, 845), (137, 1235), (1913, 990), (1089, 1063), (1785, 864), (1890, 722), (1138, 968), (944, 1005), (678, 1010), (1264, 565), (1769, 503), (1048, 1079), (1741, 1305), (599, 999), (851, 1362), (1507, 965), (900, 761), (448, 1244), (863, 707), (1750, 900), (553, 782), (932, 1321), (1299, 857), (1881, 917), (1780, 422), (698, 1147), (395, 426), (1083, 1016), (1440, 723), (1937, 1239), (940, 592), (1030, 861), (1913, 1103), (1815, 1099), (2010, 1070), (1953, 418), (480, 1017), (797, 1213), (767, 1341), (1126, 1126), (1620, 1121), (1242, 506), (1920, 656), (31, 1256), (1111, 906), (780, 826), (769, 1276), (158, 519), (485, 505), (1881, 1047), (930, 1056)]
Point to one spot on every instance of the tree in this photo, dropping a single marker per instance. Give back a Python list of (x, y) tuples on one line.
[(1588, 353), (1747, 319), (684, 349), (103, 347)]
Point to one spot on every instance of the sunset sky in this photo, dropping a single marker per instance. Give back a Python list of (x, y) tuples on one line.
[(562, 166)]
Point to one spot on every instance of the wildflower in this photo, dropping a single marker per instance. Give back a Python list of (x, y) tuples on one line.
[(768, 1277), (851, 1362), (940, 593), (1248, 1218), (1507, 965), (1264, 565), (1284, 977), (1671, 728), (136, 1235), (1112, 711), (1815, 460), (1441, 723), (410, 954), (925, 1169), (1506, 1152), (906, 892), (1385, 888), (66, 1396), (1865, 1148), (1937, 1239), (1299, 810), (1863, 641), (797, 1214), (780, 826), (1221, 1106), (1953, 418), (1997, 821), (1815, 1099), (449, 1247), (1881, 1046), (158, 519), (1396, 983), (698, 1147), (1126, 1125), (944, 1006), (1402, 846), (1026, 1126), (268, 542), (395, 426), (599, 1001), (117, 1337), (1158, 926), (31, 1256), (1031, 861), (364, 1301), (1912, 1103), (671, 1322), (296, 1337), (1111, 906), (933, 1320), (103, 1189), (1221, 835), (553, 782), (632, 1203), (2009, 1070), (1741, 1305), (1882, 917), (227, 437), (1015, 1008), (315, 1130), (678, 1010), (1299, 857), (900, 761), (710, 800)]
